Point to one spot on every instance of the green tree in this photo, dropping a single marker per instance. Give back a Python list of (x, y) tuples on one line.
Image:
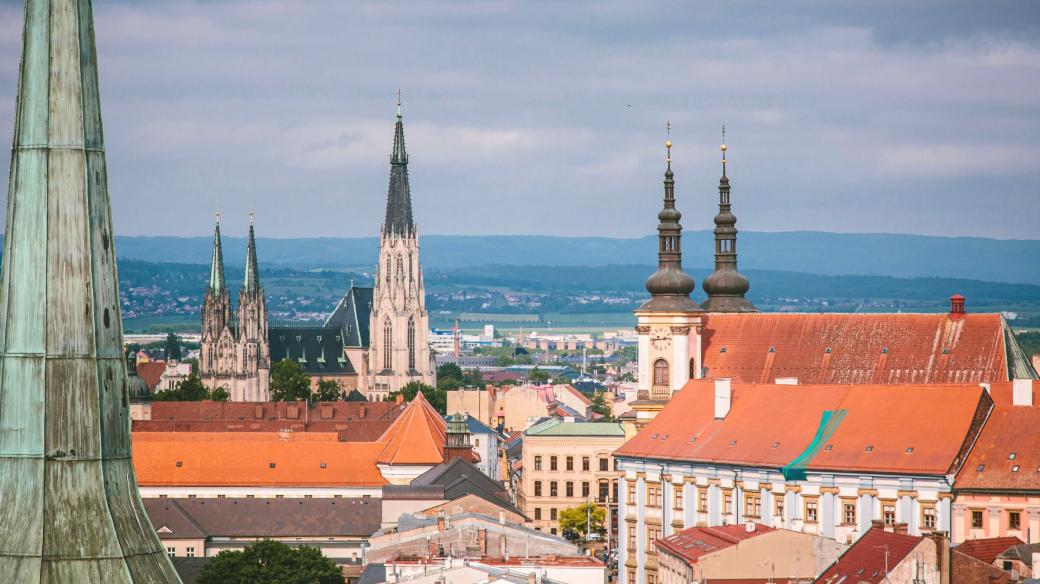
[(219, 394), (270, 562), (289, 382), (627, 376), (449, 371), (600, 406), (191, 389), (173, 347), (575, 521), (538, 376), (437, 397), (329, 390)]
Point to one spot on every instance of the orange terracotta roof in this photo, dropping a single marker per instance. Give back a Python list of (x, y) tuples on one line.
[(855, 348), (417, 436), (175, 459), (987, 550), (355, 421), (574, 391), (881, 423), (1010, 430), (151, 372), (696, 542), (866, 561)]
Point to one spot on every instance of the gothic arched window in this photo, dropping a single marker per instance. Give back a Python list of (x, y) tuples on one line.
[(411, 344), (661, 372), (388, 345), (388, 270), (400, 268)]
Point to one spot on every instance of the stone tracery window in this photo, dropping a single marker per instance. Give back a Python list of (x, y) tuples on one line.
[(388, 332), (411, 343)]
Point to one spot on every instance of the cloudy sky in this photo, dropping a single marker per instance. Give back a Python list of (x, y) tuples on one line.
[(527, 117)]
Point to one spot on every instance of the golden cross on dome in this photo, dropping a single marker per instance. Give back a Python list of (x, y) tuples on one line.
[(668, 142)]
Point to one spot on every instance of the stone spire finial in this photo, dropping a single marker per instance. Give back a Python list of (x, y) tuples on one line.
[(71, 508), (669, 286), (726, 286), (216, 264), (251, 281)]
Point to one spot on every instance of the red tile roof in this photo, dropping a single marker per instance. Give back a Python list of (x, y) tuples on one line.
[(855, 348), (988, 549), (355, 421), (882, 422), (866, 560), (1010, 430), (696, 542), (417, 436), (246, 458), (151, 372)]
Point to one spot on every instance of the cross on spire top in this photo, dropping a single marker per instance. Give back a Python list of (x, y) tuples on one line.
[(398, 102)]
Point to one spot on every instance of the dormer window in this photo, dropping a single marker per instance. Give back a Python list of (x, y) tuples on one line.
[(981, 468)]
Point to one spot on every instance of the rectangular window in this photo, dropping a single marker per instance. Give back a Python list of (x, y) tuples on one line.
[(653, 496), (537, 512), (929, 518), (652, 533), (976, 519), (727, 502), (752, 505), (702, 501), (570, 463), (631, 540), (570, 488), (584, 463), (585, 490), (604, 465), (677, 497), (552, 514), (604, 491), (538, 463), (1014, 519), (171, 551), (888, 514), (538, 488), (811, 507), (849, 513), (631, 493), (778, 506), (189, 551), (552, 463), (553, 490)]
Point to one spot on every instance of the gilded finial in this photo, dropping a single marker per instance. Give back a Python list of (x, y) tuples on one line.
[(668, 142), (723, 148)]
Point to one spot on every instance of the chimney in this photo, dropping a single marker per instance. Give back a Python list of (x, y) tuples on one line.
[(440, 520), (878, 524), (399, 399), (942, 555), (723, 397), (956, 307), (750, 527), (1022, 392), (901, 528)]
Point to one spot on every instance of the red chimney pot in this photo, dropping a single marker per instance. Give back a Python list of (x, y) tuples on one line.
[(956, 306)]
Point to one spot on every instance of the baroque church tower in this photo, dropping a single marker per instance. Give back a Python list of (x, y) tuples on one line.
[(235, 355), (399, 351), (726, 286), (670, 321)]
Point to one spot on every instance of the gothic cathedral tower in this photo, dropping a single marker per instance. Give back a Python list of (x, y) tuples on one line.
[(253, 350), (399, 351), (669, 322)]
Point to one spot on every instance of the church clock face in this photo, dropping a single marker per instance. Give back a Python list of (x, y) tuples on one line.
[(660, 338)]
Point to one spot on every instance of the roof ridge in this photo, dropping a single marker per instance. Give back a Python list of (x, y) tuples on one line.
[(188, 516)]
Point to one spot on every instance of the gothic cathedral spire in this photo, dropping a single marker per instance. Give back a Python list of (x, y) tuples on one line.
[(251, 282), (216, 266), (398, 220), (71, 507), (726, 286)]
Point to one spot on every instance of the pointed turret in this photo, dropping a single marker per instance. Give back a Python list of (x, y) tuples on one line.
[(251, 282), (398, 219), (726, 286), (71, 509), (669, 286), (216, 265)]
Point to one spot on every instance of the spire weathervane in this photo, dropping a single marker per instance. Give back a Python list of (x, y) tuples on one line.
[(398, 102), (723, 148), (668, 142)]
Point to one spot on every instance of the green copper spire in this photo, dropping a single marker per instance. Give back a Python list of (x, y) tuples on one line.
[(251, 282), (216, 266), (70, 508), (398, 219)]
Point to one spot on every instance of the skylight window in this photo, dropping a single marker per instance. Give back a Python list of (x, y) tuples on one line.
[(654, 437), (772, 349), (732, 442), (270, 465), (981, 468), (870, 448), (829, 447), (776, 444), (910, 450), (884, 351), (722, 350), (1012, 456), (693, 439), (1014, 468), (827, 350), (179, 464)]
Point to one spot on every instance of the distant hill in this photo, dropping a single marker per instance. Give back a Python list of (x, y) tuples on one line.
[(901, 256)]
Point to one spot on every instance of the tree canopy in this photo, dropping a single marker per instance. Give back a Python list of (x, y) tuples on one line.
[(192, 389), (329, 390), (437, 397), (173, 347), (575, 520), (270, 562), (536, 375), (601, 407), (289, 382)]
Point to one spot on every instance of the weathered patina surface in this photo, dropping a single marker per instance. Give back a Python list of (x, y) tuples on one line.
[(69, 505)]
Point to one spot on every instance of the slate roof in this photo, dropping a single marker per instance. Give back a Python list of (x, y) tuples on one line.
[(188, 568), (258, 459), (417, 436), (879, 425), (460, 477), (398, 219), (269, 517), (352, 315), (1022, 552), (696, 542), (318, 350), (861, 348), (987, 550), (1008, 449), (865, 561)]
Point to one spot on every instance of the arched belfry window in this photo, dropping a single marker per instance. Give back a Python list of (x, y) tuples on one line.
[(411, 344), (661, 372), (388, 344), (693, 369)]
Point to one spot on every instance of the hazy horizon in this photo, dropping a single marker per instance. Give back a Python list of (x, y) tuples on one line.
[(534, 118)]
